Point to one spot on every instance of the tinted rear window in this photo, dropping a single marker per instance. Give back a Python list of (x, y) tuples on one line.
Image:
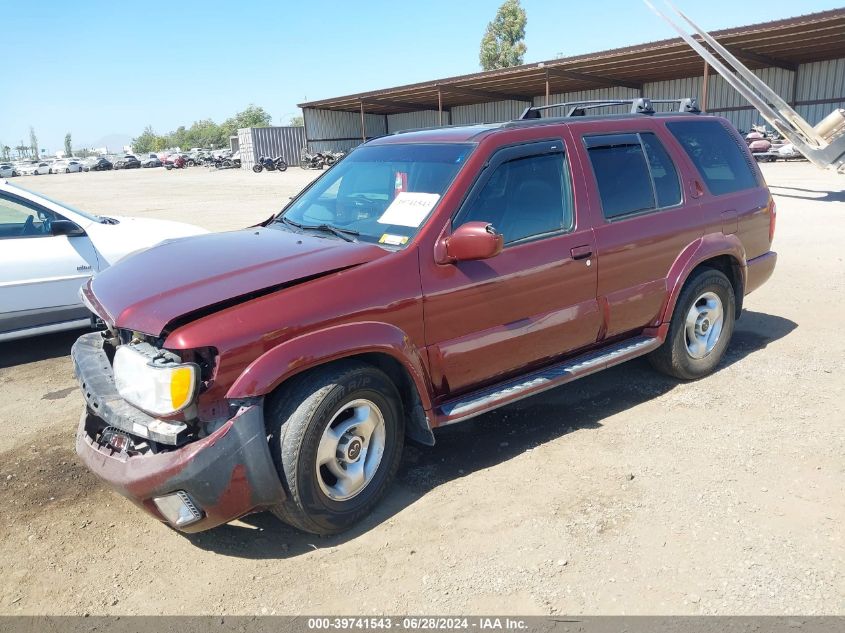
[(715, 153), (666, 183), (621, 173)]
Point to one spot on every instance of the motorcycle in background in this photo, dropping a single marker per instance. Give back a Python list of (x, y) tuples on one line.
[(330, 158), (307, 160), (270, 164)]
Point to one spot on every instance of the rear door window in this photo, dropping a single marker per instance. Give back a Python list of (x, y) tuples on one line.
[(667, 187), (716, 154), (634, 173), (621, 171)]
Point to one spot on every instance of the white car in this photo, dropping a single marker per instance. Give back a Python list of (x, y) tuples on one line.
[(48, 250), (34, 169), (7, 170), (66, 166)]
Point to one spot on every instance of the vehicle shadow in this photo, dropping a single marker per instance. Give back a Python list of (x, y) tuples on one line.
[(807, 194), (489, 440), (36, 348)]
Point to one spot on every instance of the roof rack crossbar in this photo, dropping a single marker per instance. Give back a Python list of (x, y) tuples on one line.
[(640, 105)]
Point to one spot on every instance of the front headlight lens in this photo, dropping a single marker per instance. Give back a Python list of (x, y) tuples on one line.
[(158, 389)]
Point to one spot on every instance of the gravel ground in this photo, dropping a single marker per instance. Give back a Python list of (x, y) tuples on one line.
[(622, 493)]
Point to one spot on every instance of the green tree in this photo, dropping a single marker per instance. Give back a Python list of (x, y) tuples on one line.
[(68, 145), (297, 121), (21, 148), (6, 149), (33, 143), (205, 133), (145, 143), (253, 116), (503, 44)]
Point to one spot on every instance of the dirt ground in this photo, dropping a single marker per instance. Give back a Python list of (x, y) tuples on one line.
[(622, 493)]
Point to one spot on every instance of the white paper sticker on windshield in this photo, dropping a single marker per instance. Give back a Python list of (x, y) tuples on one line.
[(409, 208)]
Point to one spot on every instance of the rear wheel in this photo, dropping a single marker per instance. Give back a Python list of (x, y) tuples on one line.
[(336, 438), (701, 327)]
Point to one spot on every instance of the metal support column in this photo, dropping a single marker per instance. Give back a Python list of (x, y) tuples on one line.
[(704, 82), (439, 106), (547, 86)]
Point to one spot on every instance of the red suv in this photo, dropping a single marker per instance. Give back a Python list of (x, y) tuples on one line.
[(427, 278)]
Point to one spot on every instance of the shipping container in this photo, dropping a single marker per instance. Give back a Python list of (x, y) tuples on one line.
[(286, 141)]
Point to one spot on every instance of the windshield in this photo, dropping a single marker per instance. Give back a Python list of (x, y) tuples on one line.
[(84, 214), (381, 194)]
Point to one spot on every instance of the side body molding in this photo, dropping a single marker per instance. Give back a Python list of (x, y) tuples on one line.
[(321, 346)]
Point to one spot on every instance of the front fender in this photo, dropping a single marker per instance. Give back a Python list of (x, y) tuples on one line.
[(707, 247), (304, 352)]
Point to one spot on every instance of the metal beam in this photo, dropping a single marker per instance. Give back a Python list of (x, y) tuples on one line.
[(439, 107), (762, 59), (484, 94), (546, 102), (400, 104), (596, 79)]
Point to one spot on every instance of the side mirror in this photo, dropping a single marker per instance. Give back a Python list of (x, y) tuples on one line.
[(470, 241), (66, 227)]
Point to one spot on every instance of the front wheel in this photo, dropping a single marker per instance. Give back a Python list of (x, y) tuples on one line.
[(281, 165), (336, 436), (257, 168), (701, 327)]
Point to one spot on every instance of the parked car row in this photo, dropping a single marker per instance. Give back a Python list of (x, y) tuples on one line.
[(219, 159), (35, 168)]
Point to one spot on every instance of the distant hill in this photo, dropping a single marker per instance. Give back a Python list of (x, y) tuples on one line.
[(114, 142)]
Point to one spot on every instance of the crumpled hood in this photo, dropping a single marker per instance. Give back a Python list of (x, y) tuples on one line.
[(148, 290)]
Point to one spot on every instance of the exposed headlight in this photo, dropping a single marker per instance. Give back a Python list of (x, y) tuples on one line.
[(154, 384)]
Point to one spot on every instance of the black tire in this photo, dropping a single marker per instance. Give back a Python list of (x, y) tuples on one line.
[(674, 358), (282, 166), (257, 168), (297, 417)]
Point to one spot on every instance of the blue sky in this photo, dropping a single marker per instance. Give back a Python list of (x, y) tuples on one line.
[(96, 68)]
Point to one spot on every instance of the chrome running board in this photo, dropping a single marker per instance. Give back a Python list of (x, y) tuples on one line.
[(485, 400)]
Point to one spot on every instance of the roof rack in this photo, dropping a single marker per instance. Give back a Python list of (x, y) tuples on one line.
[(641, 105)]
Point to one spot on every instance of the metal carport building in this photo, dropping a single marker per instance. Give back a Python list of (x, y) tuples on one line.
[(801, 58)]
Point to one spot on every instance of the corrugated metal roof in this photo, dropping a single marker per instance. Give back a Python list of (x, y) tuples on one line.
[(781, 43)]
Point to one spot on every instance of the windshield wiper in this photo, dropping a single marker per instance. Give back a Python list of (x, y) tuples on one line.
[(344, 234)]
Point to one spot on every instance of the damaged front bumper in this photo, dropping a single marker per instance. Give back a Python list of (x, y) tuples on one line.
[(194, 487)]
